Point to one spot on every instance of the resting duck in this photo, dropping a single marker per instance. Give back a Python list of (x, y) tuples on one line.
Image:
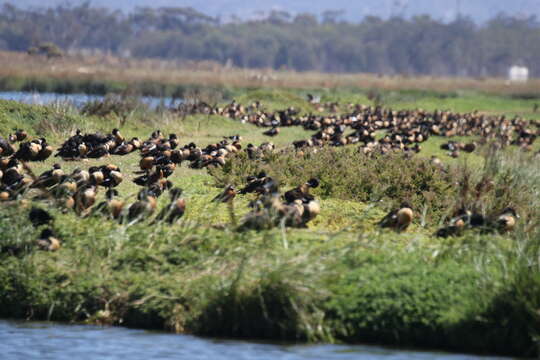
[(49, 178), (506, 221), (272, 132), (48, 241), (398, 219), (302, 191), (5, 148), (255, 183), (38, 217), (19, 135), (28, 151)]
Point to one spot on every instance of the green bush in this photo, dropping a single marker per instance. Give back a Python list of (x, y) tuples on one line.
[(402, 300), (345, 173)]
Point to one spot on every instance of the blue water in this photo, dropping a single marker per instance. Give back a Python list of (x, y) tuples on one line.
[(77, 100), (34, 340)]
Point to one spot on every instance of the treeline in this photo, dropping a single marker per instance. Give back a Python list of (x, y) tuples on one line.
[(420, 45)]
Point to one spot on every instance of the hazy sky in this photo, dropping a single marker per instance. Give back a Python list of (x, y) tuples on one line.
[(480, 10)]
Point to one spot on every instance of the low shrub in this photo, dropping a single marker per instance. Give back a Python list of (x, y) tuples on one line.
[(345, 173)]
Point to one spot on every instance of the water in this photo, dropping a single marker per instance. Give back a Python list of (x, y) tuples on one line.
[(77, 100), (31, 340)]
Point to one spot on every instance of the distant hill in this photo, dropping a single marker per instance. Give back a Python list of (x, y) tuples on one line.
[(478, 10)]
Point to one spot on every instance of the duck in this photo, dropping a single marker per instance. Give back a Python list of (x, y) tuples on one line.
[(48, 241), (255, 183), (5, 194), (449, 231), (311, 210), (173, 141), (28, 151), (469, 147), (123, 149), (99, 151), (45, 152), (12, 177), (150, 178), (113, 179), (49, 178), (312, 99), (80, 176), (81, 150), (111, 206), (158, 188), (112, 176), (6, 149), (272, 132), (39, 217), (175, 209), (64, 197), (146, 163), (226, 196), (291, 214), (507, 219), (114, 204), (118, 138), (20, 135), (96, 175), (85, 198), (302, 191), (68, 184), (17, 136), (459, 222), (398, 219), (143, 207)]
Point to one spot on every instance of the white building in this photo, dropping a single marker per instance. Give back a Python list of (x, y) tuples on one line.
[(518, 73)]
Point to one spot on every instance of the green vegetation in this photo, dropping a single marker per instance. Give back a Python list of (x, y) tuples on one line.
[(341, 279)]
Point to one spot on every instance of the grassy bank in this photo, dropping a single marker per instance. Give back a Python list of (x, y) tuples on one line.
[(341, 279)]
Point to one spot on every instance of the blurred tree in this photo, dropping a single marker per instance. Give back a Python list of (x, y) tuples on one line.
[(420, 45)]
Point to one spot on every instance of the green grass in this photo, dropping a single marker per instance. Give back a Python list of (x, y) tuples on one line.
[(341, 279)]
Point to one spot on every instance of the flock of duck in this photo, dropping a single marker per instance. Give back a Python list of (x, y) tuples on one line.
[(403, 130), (160, 155)]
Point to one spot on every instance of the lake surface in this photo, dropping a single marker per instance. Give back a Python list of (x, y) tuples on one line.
[(36, 340), (77, 100)]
